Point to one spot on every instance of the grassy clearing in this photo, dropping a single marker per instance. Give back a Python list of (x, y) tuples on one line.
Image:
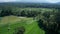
[(31, 26)]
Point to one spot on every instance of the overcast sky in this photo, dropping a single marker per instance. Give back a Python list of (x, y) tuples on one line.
[(50, 1)]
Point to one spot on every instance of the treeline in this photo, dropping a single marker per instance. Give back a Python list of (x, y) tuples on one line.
[(15, 12)]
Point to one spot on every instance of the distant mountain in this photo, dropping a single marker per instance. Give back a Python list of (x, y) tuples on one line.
[(26, 4), (58, 3)]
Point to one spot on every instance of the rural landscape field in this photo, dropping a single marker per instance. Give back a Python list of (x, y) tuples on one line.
[(29, 18)]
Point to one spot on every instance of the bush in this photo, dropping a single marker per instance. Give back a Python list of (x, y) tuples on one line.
[(20, 30)]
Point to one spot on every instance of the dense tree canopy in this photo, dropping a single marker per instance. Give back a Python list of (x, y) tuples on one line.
[(52, 24)]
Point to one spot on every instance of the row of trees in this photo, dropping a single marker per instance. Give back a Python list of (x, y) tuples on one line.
[(28, 13)]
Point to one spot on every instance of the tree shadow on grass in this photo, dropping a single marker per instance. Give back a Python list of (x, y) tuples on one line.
[(20, 30)]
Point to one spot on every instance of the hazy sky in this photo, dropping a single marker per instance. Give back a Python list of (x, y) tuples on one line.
[(50, 1)]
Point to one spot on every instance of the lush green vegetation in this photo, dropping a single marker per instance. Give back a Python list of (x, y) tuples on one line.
[(29, 20)]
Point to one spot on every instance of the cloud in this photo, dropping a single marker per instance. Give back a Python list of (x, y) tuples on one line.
[(7, 0), (32, 0), (51, 1), (22, 0)]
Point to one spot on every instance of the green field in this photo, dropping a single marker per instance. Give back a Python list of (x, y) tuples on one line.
[(12, 22)]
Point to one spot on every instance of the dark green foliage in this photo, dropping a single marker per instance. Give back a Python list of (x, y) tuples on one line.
[(23, 13), (20, 30), (5, 13), (46, 14), (58, 17), (50, 22)]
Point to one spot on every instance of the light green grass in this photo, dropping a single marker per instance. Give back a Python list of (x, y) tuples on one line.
[(31, 26)]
